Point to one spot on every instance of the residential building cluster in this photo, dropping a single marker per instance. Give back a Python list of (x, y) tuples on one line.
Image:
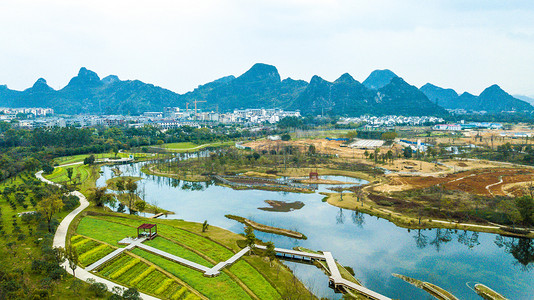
[(389, 121), (465, 126), (7, 114), (170, 117)]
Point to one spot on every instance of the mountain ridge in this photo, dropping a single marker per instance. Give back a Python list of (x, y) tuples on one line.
[(382, 92)]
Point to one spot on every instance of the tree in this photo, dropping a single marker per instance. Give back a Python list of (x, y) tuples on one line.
[(48, 169), (49, 206), (70, 171), (205, 226), (100, 196), (270, 253), (250, 237), (286, 137), (388, 136), (72, 257), (121, 208), (140, 205), (525, 207), (89, 160), (115, 150), (407, 152), (352, 134), (131, 294), (131, 187)]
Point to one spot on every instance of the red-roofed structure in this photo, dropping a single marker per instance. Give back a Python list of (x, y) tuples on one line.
[(142, 231)]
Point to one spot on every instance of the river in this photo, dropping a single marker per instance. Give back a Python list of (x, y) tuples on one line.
[(374, 248)]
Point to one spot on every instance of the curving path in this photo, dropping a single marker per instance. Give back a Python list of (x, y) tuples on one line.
[(61, 236)]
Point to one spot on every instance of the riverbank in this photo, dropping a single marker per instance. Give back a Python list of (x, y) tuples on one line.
[(266, 228), (363, 204)]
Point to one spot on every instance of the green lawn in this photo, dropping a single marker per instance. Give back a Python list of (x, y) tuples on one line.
[(88, 175)]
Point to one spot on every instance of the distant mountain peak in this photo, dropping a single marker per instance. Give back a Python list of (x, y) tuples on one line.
[(260, 72), (110, 79), (345, 78), (85, 78), (379, 78), (40, 81), (40, 86)]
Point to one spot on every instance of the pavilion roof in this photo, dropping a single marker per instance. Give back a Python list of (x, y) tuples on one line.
[(146, 226)]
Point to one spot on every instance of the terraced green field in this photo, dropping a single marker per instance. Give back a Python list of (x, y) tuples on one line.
[(240, 281), (89, 251), (133, 272)]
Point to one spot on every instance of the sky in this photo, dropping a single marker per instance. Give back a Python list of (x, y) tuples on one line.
[(466, 45)]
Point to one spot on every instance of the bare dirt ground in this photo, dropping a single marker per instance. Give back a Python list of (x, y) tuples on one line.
[(486, 182), (472, 176)]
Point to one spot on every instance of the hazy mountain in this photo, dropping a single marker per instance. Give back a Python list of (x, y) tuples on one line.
[(525, 98), (345, 96), (378, 79), (86, 93), (381, 93), (492, 99), (400, 98), (443, 97)]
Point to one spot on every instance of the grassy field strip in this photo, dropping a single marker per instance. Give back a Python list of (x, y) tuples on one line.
[(215, 252), (132, 271), (95, 254), (221, 287)]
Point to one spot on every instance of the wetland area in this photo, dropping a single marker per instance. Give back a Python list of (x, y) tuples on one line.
[(375, 248)]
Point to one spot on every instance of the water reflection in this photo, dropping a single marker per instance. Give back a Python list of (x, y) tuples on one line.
[(521, 248)]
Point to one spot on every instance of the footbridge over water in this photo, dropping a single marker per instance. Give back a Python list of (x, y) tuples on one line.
[(335, 280)]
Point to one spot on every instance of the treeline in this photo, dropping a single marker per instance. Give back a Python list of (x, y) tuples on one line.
[(24, 149)]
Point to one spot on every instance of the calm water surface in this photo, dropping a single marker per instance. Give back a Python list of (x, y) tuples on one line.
[(374, 248)]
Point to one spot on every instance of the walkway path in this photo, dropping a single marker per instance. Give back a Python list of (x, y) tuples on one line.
[(215, 271), (61, 236), (336, 280), (335, 276), (175, 258)]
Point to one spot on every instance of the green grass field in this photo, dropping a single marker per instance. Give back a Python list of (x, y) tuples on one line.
[(188, 146), (87, 176), (78, 158), (240, 281)]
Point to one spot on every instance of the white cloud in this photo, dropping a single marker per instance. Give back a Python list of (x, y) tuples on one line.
[(466, 45)]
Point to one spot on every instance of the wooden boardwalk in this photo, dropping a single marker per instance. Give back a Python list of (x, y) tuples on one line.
[(294, 252), (175, 258), (336, 280), (131, 245), (215, 271)]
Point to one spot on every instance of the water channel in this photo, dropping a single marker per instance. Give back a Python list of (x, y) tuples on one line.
[(374, 248)]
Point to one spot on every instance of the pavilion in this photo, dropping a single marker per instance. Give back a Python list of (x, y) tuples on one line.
[(151, 234)]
